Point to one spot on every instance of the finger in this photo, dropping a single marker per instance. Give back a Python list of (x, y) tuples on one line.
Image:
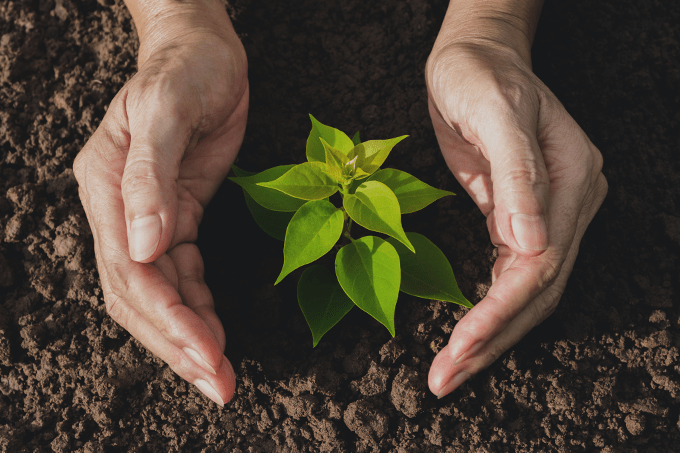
[(475, 337), (193, 289), (160, 130), (176, 334), (507, 132), (450, 368), (138, 296), (167, 267), (218, 384)]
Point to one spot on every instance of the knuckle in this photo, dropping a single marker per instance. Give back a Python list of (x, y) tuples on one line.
[(192, 278), (527, 173), (178, 361), (547, 305), (117, 280), (167, 323), (596, 196), (79, 165), (196, 212), (493, 353), (141, 178), (192, 214), (550, 272), (598, 161), (116, 309)]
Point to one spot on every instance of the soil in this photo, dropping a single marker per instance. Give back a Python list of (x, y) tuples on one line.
[(601, 374)]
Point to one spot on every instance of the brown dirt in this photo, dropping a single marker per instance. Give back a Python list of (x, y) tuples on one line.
[(601, 374)]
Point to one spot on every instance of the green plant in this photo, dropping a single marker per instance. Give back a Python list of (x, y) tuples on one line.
[(291, 203)]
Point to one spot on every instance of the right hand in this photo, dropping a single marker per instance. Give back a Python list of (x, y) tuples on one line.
[(147, 173), (535, 176)]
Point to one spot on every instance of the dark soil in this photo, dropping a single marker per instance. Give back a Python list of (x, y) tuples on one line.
[(601, 374)]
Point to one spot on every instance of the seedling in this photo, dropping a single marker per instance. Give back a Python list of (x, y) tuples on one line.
[(291, 203)]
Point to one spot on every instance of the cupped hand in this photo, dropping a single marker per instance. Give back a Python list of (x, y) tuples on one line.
[(146, 175), (533, 173)]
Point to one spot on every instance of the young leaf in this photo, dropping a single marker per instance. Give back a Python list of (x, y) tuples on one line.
[(427, 273), (241, 172), (335, 173), (308, 181), (334, 157), (360, 178), (269, 198), (373, 153), (273, 223), (360, 174), (356, 139), (368, 271), (412, 193), (311, 233), (375, 207), (334, 137), (322, 300)]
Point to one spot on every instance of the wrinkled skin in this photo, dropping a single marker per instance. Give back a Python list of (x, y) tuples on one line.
[(160, 153), (532, 172), (171, 133)]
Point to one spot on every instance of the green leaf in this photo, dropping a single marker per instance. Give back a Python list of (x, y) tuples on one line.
[(273, 223), (334, 137), (412, 193), (334, 157), (335, 173), (359, 180), (375, 207), (308, 181), (368, 271), (356, 139), (269, 198), (311, 233), (322, 300), (427, 273), (241, 172), (373, 153)]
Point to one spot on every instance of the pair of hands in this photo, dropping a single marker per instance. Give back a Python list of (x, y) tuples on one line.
[(171, 133)]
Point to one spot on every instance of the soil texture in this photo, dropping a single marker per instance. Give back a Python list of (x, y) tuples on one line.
[(601, 374)]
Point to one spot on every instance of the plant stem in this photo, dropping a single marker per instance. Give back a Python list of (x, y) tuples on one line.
[(347, 230)]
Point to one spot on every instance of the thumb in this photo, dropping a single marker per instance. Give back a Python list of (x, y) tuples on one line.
[(521, 185), (149, 184)]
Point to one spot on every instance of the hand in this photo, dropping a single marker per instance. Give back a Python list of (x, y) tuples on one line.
[(146, 175), (533, 173)]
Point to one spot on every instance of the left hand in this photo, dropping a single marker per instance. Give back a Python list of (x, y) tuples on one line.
[(146, 175)]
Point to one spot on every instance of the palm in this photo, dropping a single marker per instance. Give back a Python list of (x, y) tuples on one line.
[(514, 149), (161, 152)]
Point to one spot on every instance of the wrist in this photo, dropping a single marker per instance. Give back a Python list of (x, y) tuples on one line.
[(161, 22), (504, 24)]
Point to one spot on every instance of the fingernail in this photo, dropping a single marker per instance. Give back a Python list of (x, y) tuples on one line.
[(460, 359), (145, 233), (461, 351), (209, 391), (453, 384), (231, 376), (226, 366), (196, 357), (530, 231)]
